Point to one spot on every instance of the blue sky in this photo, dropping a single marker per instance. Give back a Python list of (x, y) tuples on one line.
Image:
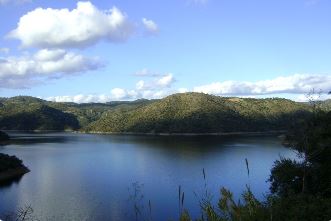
[(99, 51)]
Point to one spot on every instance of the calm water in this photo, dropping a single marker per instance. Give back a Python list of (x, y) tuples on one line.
[(87, 177)]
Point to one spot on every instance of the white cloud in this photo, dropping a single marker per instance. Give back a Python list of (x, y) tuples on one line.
[(150, 26), (295, 84), (150, 90), (159, 82), (165, 81), (80, 27), (80, 98), (119, 93), (22, 72), (140, 85), (48, 55), (116, 94), (4, 50)]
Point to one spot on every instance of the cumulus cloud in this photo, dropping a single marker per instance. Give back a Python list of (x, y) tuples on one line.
[(156, 89), (150, 26), (80, 98), (165, 81), (61, 28), (295, 84), (122, 94), (116, 94), (22, 72), (159, 82)]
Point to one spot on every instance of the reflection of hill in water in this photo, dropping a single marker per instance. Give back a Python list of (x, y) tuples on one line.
[(9, 183), (32, 138), (196, 145)]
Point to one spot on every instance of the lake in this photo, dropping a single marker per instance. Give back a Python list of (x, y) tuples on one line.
[(91, 177)]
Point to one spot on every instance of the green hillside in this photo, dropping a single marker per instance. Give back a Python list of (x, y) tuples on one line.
[(201, 113), (178, 113), (90, 112), (29, 113)]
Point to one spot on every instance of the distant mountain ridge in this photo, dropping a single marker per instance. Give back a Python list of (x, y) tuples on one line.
[(178, 113)]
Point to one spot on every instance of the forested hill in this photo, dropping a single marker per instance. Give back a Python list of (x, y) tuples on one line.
[(201, 113), (30, 113), (27, 113), (178, 113)]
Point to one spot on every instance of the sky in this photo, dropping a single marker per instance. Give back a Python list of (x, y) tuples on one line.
[(100, 51)]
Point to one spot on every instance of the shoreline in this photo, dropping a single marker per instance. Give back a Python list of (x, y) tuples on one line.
[(271, 132), (280, 132)]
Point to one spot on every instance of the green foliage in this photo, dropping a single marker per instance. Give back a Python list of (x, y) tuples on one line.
[(29, 113), (185, 216), (201, 113), (313, 141), (179, 113), (284, 184)]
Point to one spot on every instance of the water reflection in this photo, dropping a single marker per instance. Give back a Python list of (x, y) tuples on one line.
[(30, 138), (83, 176), (8, 183)]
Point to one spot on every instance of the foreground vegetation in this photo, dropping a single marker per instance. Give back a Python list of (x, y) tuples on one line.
[(300, 190)]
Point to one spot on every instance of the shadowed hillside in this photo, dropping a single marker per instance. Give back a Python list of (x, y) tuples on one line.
[(29, 113)]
